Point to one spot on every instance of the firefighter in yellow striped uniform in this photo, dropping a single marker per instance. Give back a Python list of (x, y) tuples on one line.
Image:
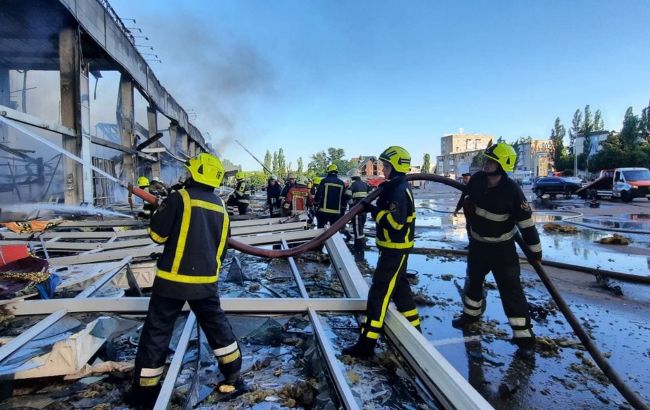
[(394, 215), (357, 191), (495, 210), (194, 226)]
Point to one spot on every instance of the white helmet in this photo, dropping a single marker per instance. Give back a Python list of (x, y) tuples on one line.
[(355, 173)]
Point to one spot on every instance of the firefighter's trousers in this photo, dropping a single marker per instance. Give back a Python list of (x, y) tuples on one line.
[(389, 282), (358, 222), (242, 208), (323, 218), (503, 261), (157, 333)]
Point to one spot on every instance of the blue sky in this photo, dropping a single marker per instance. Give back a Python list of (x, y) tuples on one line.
[(363, 75)]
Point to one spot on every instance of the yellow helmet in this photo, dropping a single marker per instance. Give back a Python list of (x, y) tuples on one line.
[(143, 181), (317, 180), (504, 154), (332, 168), (398, 158), (205, 169), (239, 175)]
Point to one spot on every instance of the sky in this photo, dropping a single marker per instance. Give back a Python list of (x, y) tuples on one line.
[(364, 75)]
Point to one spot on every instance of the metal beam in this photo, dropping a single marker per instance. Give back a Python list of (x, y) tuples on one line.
[(340, 381), (108, 276), (256, 229), (440, 377), (34, 121), (174, 368), (230, 305)]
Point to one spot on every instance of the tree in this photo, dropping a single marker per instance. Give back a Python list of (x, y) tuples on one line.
[(599, 125), (282, 164), (587, 129), (576, 127), (275, 163), (300, 166), (334, 154), (630, 131), (644, 126), (318, 163), (268, 161), (557, 143), (426, 164)]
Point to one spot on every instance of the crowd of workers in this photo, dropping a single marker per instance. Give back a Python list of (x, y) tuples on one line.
[(193, 224)]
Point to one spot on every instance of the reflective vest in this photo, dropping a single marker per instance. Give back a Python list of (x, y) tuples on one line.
[(298, 199), (494, 215), (193, 225), (330, 195), (395, 215), (358, 190), (242, 193)]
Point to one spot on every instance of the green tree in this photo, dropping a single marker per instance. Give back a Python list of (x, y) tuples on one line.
[(557, 143), (268, 161), (300, 169), (576, 127), (318, 163), (426, 164), (599, 125), (275, 164), (282, 164), (587, 130), (644, 126), (334, 154), (630, 131)]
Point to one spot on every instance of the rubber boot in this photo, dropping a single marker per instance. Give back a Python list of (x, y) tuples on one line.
[(144, 397), (464, 320), (363, 349), (526, 349), (232, 387)]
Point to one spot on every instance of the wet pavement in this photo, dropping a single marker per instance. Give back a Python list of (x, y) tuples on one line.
[(437, 227), (562, 372)]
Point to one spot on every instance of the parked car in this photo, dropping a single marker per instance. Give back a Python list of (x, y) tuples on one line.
[(554, 186)]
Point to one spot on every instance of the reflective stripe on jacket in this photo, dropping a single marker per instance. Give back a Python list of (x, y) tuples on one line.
[(497, 213), (193, 225), (395, 215), (330, 196)]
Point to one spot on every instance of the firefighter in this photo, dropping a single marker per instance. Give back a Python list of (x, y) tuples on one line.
[(193, 225), (158, 188), (358, 190), (273, 197), (330, 198), (495, 210), (298, 198), (242, 194), (314, 188), (291, 181), (394, 215), (147, 208)]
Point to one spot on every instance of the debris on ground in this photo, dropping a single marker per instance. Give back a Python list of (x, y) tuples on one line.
[(603, 282), (615, 239), (553, 227)]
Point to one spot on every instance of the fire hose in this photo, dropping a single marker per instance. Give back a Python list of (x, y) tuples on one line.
[(632, 397)]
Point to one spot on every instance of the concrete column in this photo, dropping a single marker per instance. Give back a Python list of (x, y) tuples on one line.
[(173, 136), (192, 148), (4, 99), (126, 124), (69, 68), (185, 140), (152, 122)]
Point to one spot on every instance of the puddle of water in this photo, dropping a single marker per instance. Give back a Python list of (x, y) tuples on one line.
[(486, 357), (436, 230)]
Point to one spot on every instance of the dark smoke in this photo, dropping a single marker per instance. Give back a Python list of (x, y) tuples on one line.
[(209, 71)]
